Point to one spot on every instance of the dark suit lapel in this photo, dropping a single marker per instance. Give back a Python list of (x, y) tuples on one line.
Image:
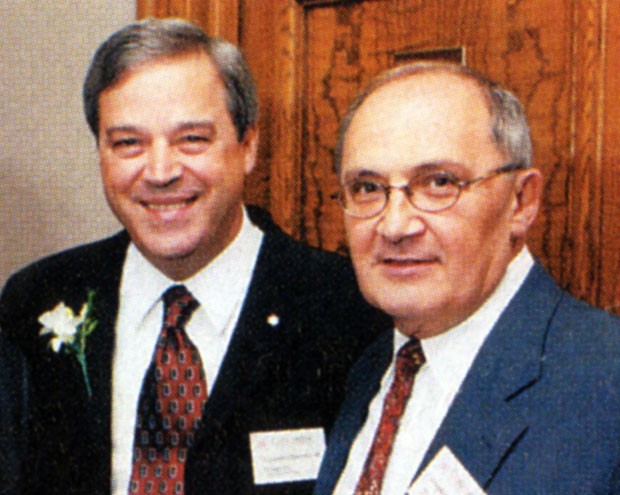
[(488, 417), (254, 341), (105, 280), (100, 347)]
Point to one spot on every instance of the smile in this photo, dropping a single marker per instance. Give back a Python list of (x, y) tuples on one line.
[(166, 205)]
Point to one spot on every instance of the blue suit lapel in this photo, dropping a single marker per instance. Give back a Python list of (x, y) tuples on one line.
[(488, 419), (365, 382)]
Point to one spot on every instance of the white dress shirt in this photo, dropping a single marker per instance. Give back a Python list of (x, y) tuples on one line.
[(449, 357), (220, 288)]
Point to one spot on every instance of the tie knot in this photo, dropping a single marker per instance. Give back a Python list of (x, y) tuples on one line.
[(179, 304), (410, 356)]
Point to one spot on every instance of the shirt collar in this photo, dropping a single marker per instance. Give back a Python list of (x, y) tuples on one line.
[(141, 288), (451, 353), (221, 285)]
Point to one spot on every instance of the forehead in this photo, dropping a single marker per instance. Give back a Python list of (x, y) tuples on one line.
[(181, 88), (421, 119)]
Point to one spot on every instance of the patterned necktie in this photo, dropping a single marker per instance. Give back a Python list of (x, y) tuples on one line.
[(408, 361), (173, 394)]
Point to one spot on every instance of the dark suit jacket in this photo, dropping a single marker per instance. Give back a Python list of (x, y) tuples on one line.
[(539, 410), (13, 415), (288, 376)]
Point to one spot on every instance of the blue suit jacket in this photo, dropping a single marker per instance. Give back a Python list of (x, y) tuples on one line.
[(539, 410)]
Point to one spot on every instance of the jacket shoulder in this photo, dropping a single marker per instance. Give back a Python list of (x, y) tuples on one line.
[(64, 276), (580, 327), (310, 265), (78, 261), (291, 256)]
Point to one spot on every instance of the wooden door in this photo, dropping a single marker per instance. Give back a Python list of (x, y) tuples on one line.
[(560, 57)]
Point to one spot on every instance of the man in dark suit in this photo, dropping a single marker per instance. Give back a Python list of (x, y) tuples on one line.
[(233, 393), (494, 379)]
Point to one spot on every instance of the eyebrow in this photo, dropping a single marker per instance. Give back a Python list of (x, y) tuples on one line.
[(414, 170), (121, 128), (439, 164), (180, 127), (361, 172), (200, 124)]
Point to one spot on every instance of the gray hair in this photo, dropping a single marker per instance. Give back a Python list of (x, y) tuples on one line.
[(509, 127), (151, 39)]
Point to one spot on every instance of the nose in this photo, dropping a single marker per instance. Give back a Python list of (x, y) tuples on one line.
[(400, 219), (163, 167)]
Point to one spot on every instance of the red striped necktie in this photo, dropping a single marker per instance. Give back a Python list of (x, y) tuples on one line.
[(409, 359)]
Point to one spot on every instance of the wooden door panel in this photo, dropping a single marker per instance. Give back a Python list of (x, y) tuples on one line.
[(348, 44), (310, 58), (607, 266), (217, 18)]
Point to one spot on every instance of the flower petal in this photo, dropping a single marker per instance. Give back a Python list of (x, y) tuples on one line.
[(56, 344), (83, 312)]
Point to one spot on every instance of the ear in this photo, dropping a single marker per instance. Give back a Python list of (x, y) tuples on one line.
[(250, 145), (526, 203)]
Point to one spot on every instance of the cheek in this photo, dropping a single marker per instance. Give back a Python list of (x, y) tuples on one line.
[(476, 228), (116, 184), (109, 177), (359, 237), (121, 176), (212, 168), (231, 175), (477, 251)]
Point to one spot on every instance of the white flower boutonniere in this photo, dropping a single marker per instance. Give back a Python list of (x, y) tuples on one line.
[(69, 331)]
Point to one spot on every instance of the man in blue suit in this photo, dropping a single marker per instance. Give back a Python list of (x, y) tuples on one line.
[(494, 380)]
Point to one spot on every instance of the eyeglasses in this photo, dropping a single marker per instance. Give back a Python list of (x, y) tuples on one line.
[(431, 190)]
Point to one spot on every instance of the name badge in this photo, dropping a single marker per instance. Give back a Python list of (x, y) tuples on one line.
[(286, 455), (445, 475)]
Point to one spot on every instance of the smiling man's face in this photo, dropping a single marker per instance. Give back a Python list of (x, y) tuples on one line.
[(172, 166), (430, 271)]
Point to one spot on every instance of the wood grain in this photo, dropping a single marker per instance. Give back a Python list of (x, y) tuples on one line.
[(560, 57), (217, 18), (608, 295)]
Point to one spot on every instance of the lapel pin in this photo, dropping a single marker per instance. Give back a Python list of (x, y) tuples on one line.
[(273, 320)]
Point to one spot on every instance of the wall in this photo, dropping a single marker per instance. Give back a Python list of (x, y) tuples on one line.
[(50, 193)]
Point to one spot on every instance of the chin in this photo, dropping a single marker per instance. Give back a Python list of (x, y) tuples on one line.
[(174, 252), (176, 256)]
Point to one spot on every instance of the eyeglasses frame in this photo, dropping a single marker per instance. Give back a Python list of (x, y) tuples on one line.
[(506, 168)]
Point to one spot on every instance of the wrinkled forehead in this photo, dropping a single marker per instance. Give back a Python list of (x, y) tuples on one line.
[(425, 118)]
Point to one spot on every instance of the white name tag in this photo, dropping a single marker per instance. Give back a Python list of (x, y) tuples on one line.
[(286, 455), (445, 475)]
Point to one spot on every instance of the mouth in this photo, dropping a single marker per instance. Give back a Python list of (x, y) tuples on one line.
[(400, 261), (167, 204), (404, 266)]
